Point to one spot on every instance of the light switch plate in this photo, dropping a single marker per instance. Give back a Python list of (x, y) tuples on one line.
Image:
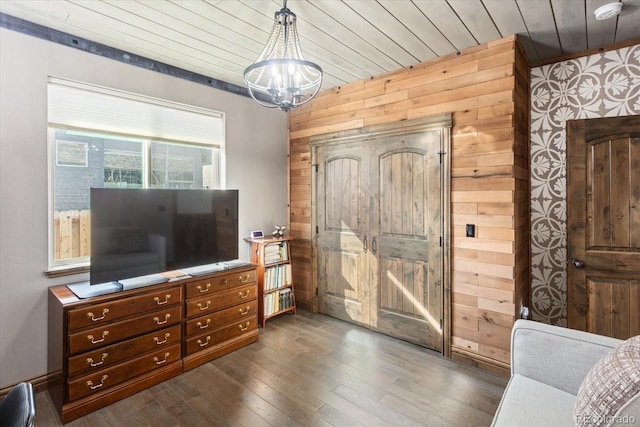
[(471, 230)]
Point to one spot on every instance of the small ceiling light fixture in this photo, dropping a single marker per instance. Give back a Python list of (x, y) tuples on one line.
[(608, 11), (281, 77)]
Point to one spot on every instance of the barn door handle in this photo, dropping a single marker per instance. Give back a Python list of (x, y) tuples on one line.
[(374, 245), (578, 263), (365, 245)]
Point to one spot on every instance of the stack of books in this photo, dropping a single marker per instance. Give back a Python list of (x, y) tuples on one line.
[(275, 253)]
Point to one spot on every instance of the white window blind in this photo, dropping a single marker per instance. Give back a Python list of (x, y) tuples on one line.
[(84, 106)]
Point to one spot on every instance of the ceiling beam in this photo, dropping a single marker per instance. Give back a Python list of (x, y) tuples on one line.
[(32, 29)]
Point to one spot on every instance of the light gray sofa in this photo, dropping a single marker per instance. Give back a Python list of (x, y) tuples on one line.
[(548, 365)]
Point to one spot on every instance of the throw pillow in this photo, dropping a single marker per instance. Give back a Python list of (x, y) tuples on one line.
[(612, 382)]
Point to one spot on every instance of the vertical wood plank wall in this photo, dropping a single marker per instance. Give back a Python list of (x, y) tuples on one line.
[(487, 90)]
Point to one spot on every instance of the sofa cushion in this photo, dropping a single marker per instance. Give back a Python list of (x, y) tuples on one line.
[(609, 386), (527, 402), (557, 356)]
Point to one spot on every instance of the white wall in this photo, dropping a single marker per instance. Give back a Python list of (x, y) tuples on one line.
[(256, 149)]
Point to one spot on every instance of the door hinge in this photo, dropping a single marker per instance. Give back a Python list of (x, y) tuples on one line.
[(315, 166), (441, 154), (440, 241), (440, 324), (316, 291), (317, 229)]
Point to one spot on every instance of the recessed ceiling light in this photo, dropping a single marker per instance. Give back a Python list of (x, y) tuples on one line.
[(608, 11)]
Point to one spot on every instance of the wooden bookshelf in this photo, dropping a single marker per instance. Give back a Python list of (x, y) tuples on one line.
[(275, 285)]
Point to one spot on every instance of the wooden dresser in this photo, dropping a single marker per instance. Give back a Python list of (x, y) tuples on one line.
[(221, 316), (105, 348)]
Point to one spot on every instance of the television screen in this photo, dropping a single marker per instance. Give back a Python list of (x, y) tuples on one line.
[(137, 232)]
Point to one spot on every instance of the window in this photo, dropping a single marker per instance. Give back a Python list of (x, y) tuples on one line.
[(104, 138)]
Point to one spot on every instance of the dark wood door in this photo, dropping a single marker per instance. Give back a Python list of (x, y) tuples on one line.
[(603, 225)]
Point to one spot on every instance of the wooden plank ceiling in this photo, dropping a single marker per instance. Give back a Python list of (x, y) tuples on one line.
[(350, 39)]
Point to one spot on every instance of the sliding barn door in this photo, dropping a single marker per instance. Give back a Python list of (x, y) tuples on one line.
[(406, 228), (343, 221), (379, 217)]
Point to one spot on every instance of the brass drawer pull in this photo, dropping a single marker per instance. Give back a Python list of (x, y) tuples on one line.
[(204, 344), (244, 294), (245, 312), (93, 318), (166, 337), (166, 299), (245, 327), (206, 289), (244, 278), (205, 307), (225, 282), (157, 360), (93, 387), (92, 363), (205, 326), (95, 341), (162, 322)]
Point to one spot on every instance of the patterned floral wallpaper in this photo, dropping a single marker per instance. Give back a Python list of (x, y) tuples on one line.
[(601, 85)]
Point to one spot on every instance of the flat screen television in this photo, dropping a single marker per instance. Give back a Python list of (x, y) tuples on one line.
[(139, 232)]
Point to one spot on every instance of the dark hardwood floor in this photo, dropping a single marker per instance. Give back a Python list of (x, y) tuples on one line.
[(310, 370)]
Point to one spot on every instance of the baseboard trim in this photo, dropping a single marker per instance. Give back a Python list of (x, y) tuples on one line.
[(486, 364), (304, 305), (39, 384)]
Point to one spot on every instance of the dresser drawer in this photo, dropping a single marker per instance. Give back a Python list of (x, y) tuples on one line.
[(216, 319), (210, 303), (106, 356), (109, 311), (217, 336), (99, 337), (219, 283), (108, 377)]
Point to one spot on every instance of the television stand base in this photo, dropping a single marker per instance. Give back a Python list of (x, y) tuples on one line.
[(142, 281), (87, 290), (237, 263), (200, 270)]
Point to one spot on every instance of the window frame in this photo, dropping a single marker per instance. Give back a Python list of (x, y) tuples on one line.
[(68, 266)]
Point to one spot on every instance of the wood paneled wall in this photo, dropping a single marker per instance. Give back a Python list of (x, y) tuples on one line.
[(487, 90)]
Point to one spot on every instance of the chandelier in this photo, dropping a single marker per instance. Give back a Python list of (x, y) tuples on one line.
[(281, 77)]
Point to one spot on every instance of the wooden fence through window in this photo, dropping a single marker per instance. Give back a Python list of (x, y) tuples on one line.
[(71, 234)]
